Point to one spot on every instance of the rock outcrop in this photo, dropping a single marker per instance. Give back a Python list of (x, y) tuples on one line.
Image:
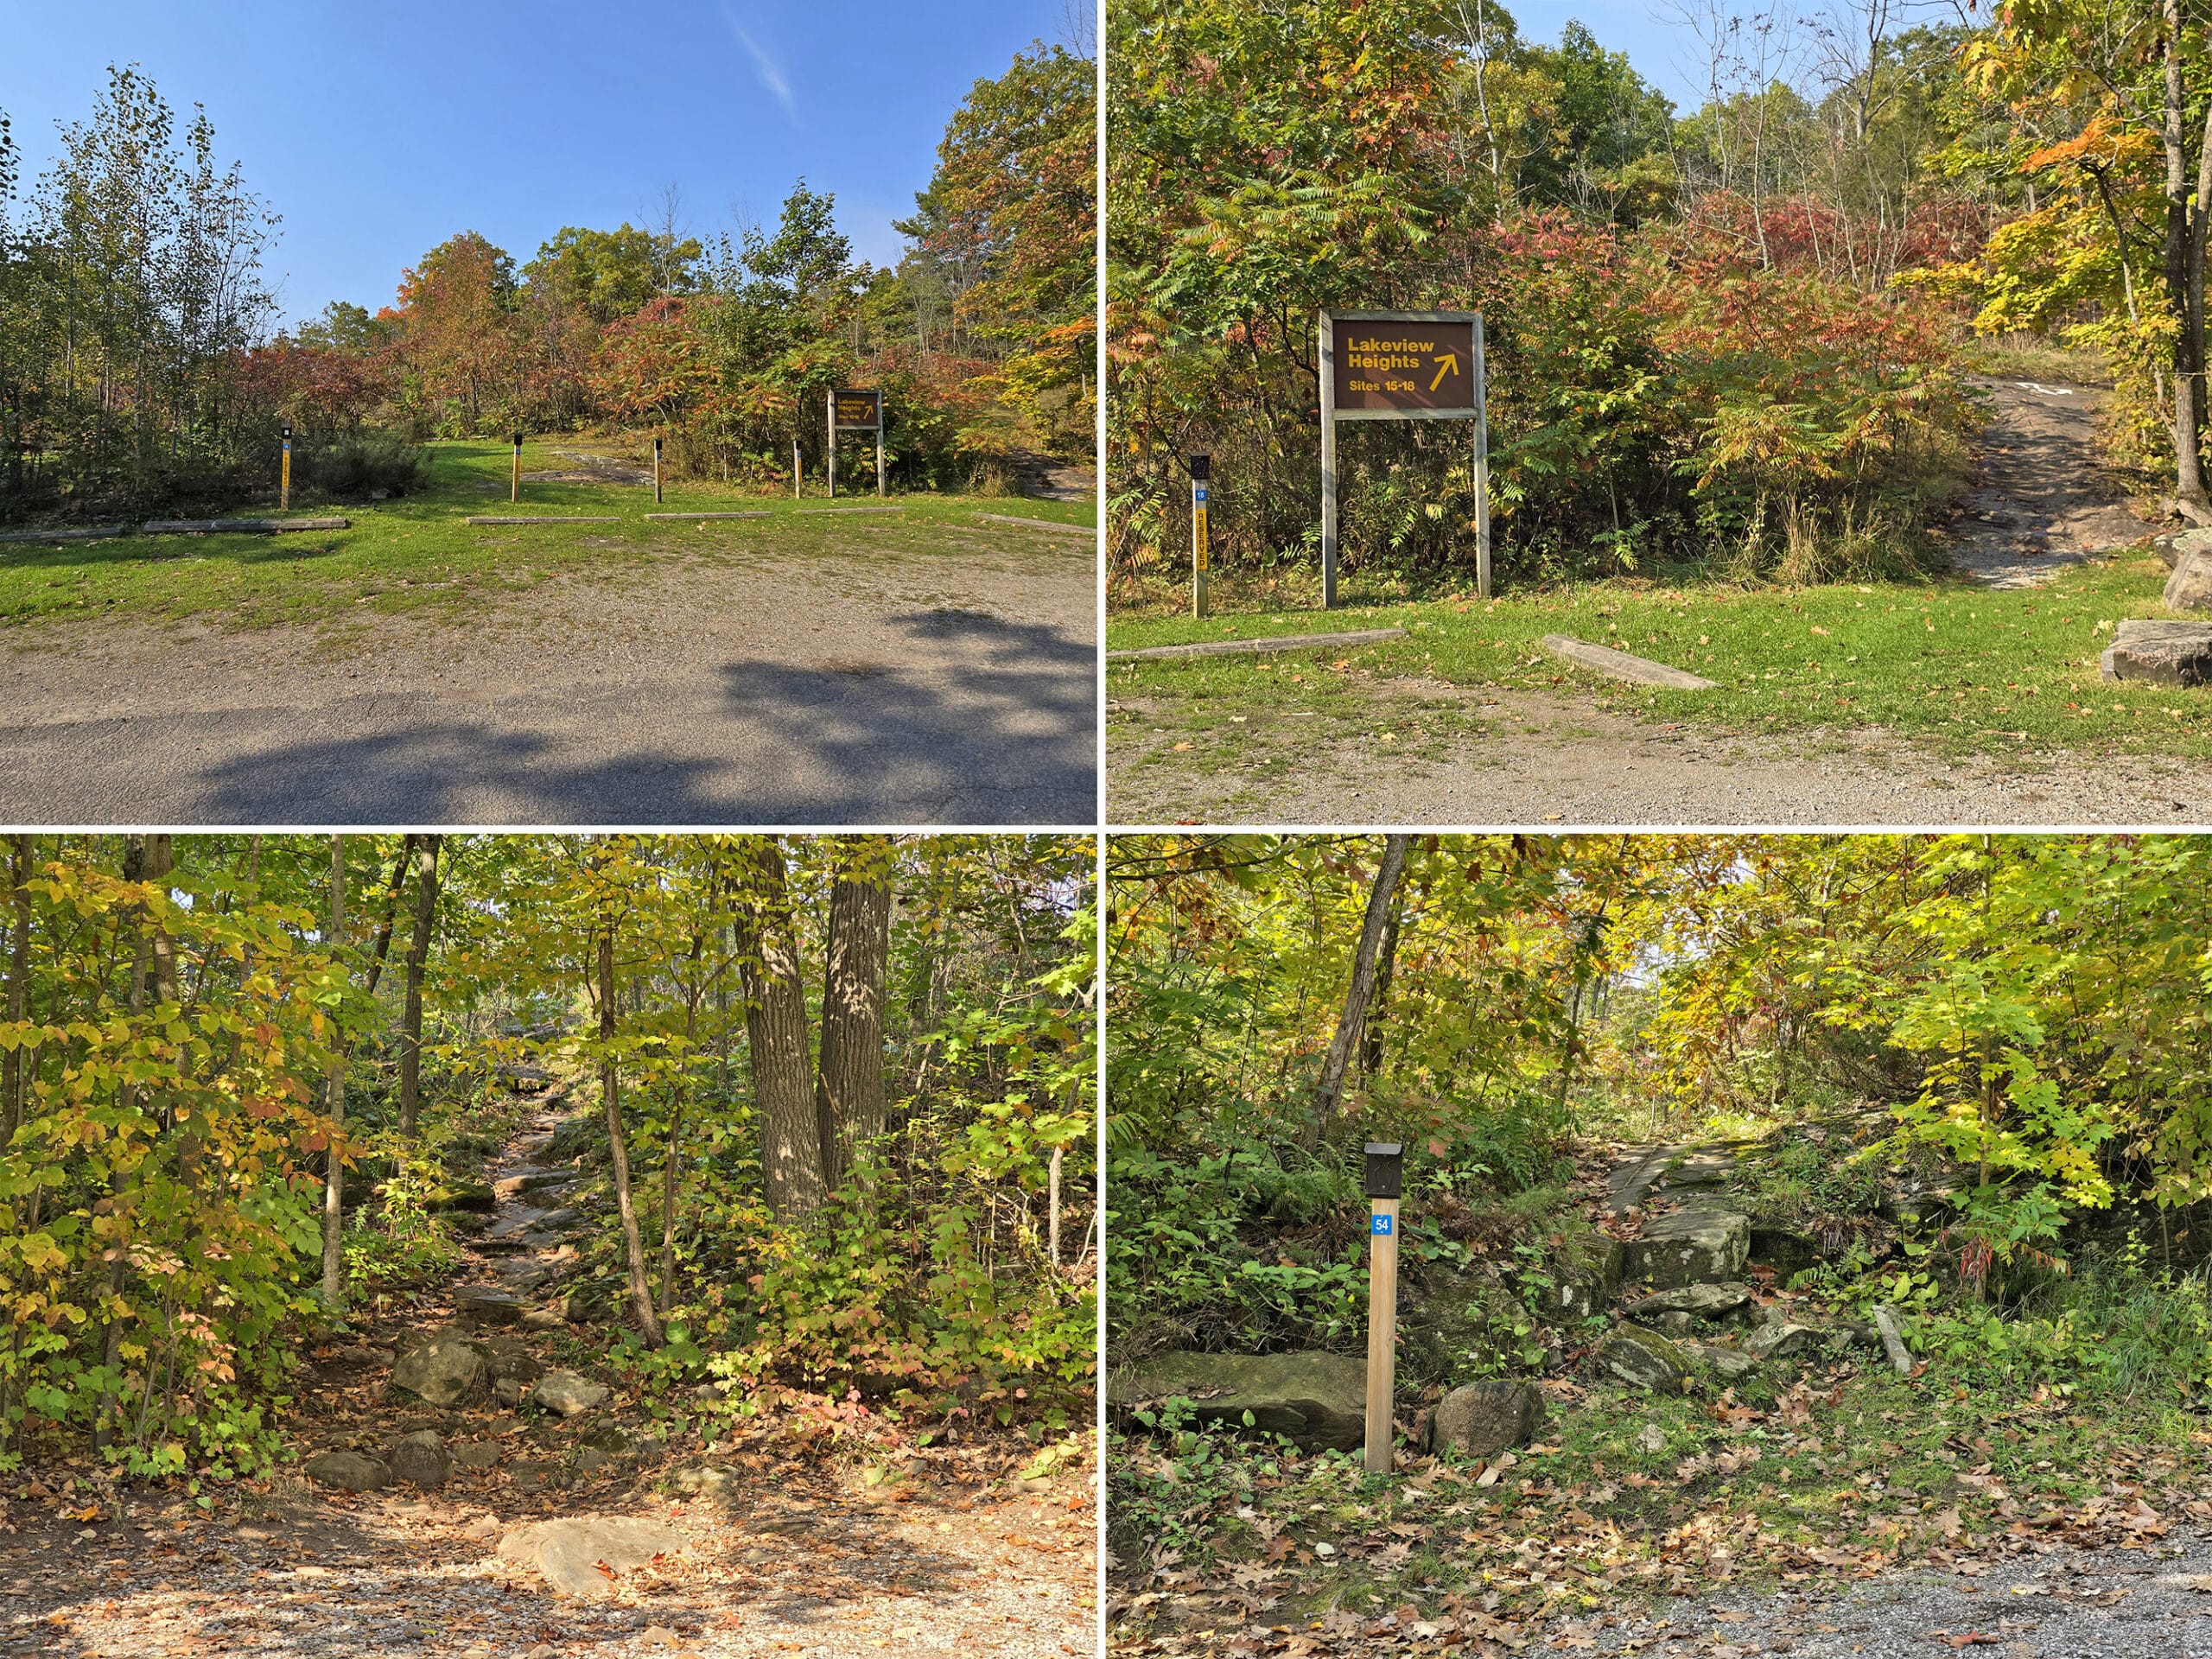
[(1702, 1244), (1645, 1359), (1317, 1400)]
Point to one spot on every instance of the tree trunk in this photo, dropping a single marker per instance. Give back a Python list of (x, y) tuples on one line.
[(1370, 1046), (1052, 1208), (1350, 1025), (610, 1084), (848, 1091), (418, 953), (333, 1108), (692, 993), (2184, 264), (15, 1094), (775, 1024), (159, 860)]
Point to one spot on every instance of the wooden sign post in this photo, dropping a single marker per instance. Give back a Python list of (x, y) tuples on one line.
[(796, 482), (284, 477), (1201, 476), (1385, 1180), (856, 412), (655, 469), (1402, 365), (514, 484)]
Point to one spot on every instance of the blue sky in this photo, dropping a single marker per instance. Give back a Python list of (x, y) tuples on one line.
[(378, 130), (1667, 56)]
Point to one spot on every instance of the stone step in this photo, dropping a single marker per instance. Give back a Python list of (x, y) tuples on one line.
[(518, 1218), (1697, 1244)]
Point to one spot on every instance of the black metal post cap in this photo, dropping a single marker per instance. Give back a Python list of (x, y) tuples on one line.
[(1201, 469), (1386, 1169)]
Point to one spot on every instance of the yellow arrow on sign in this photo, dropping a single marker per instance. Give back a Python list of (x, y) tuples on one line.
[(1448, 364)]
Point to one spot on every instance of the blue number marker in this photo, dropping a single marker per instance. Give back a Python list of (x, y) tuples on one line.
[(1379, 1225)]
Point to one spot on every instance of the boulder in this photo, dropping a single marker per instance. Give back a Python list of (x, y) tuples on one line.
[(1673, 1323), (442, 1369), (2173, 547), (421, 1459), (2155, 652), (353, 1471), (569, 1555), (2189, 587), (506, 1356), (1645, 1359), (1730, 1365), (482, 1305), (712, 1481), (1784, 1337), (569, 1395), (480, 1454), (1316, 1399), (1484, 1419), (1704, 1301), (1700, 1244)]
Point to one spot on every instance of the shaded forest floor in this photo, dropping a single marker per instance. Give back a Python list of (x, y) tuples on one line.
[(1971, 699), (783, 1541)]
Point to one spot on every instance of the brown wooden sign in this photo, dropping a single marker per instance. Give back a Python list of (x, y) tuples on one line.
[(1404, 365), (861, 411), (1400, 365)]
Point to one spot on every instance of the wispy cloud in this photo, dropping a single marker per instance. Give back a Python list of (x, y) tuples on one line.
[(771, 73)]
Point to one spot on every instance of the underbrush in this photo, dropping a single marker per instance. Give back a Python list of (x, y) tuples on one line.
[(1658, 406), (1258, 1247)]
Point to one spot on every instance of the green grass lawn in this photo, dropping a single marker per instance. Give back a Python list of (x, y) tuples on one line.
[(1963, 667), (415, 552)]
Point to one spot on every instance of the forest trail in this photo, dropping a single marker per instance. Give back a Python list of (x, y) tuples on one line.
[(1551, 759), (2042, 500), (771, 1551), (714, 685)]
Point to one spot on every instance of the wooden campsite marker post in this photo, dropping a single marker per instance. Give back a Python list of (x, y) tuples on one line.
[(284, 477), (514, 486), (796, 482), (1385, 1180), (856, 412), (1201, 476), (655, 469), (1402, 365)]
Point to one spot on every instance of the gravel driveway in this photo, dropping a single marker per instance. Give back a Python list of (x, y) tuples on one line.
[(2110, 1603), (1547, 759), (719, 690)]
